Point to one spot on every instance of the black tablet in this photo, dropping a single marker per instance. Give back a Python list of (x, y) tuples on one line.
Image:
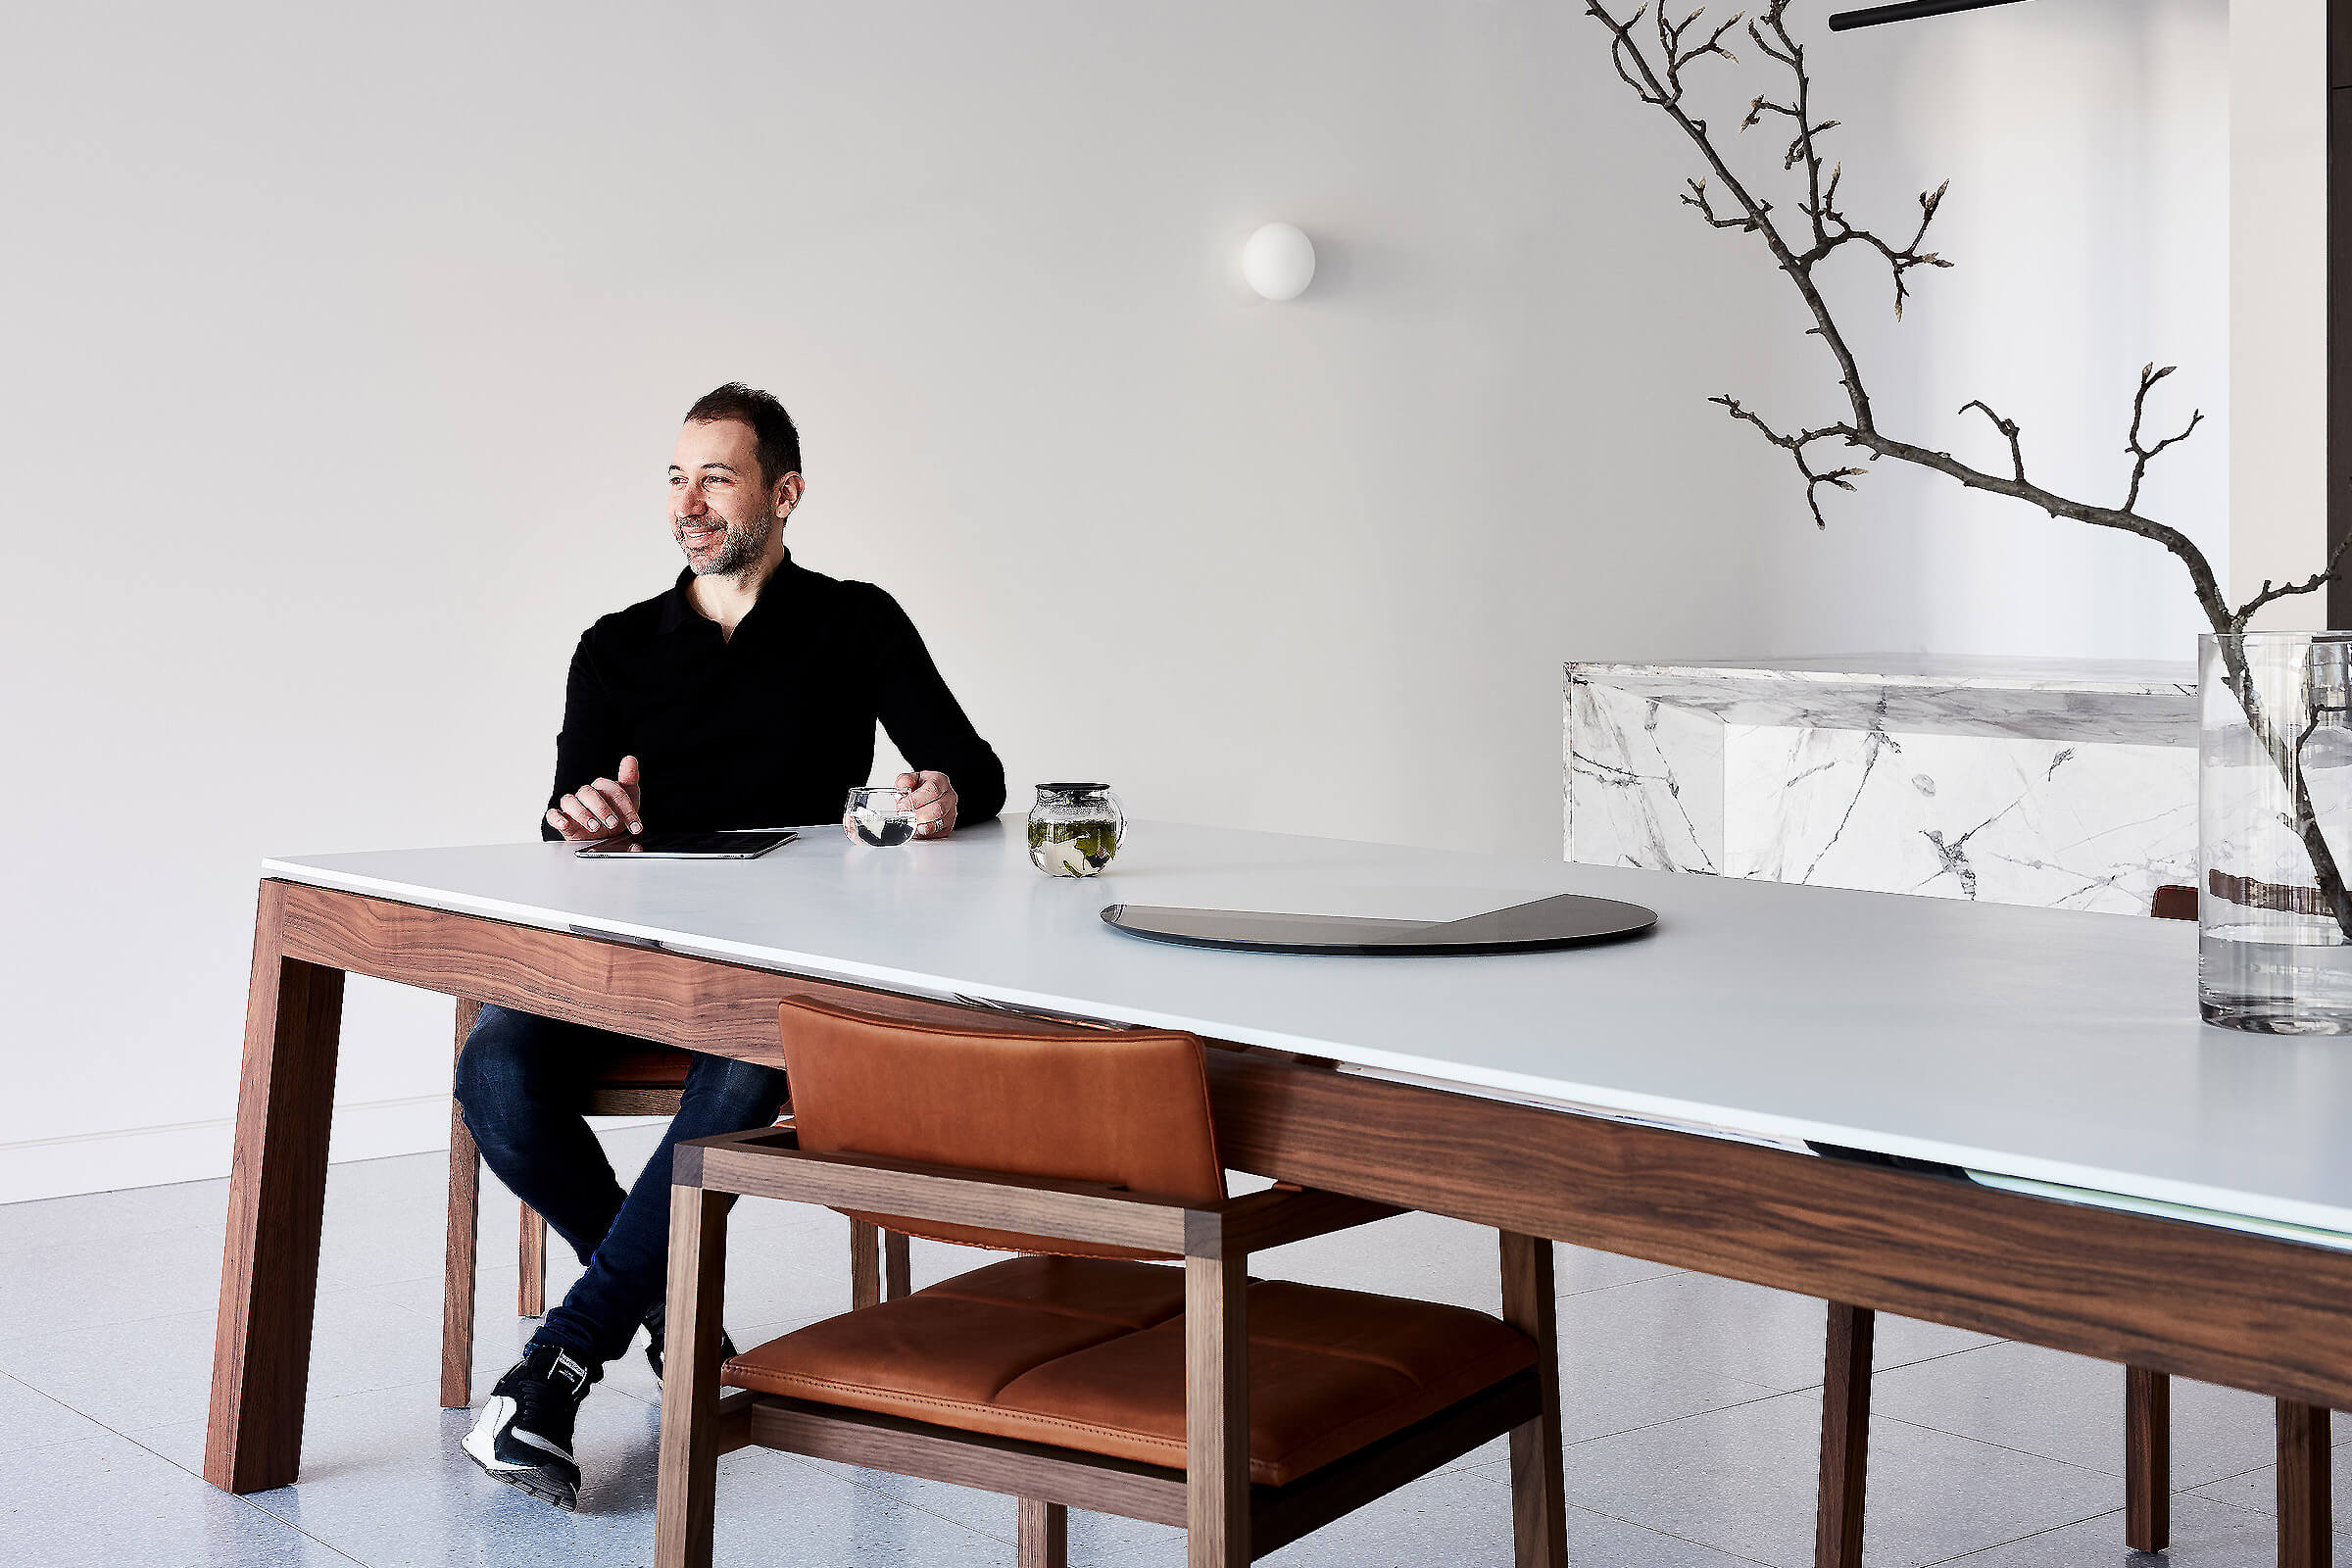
[(686, 846)]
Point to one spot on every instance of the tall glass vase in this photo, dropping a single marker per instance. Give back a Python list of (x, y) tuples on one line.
[(2275, 831)]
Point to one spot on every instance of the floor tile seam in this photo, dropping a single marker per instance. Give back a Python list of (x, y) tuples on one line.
[(198, 1474), (1619, 1284), (1995, 1545), (85, 1326), (1814, 1385), (101, 1241), (851, 1473), (2028, 1454), (8, 1455), (279, 1518), (7, 1376), (2200, 1495), (1687, 1540), (1940, 1355), (1892, 1366), (1692, 1415)]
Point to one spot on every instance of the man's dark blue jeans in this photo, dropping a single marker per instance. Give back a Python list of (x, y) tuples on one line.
[(522, 1083)]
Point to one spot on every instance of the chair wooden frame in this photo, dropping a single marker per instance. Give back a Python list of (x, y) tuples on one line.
[(880, 1262), (1229, 1521)]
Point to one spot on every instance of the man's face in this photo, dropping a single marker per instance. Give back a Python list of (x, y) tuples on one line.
[(719, 512)]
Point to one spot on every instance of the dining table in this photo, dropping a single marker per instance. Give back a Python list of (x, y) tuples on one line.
[(2004, 1118)]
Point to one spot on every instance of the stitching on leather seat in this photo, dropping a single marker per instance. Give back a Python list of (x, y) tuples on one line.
[(1340, 1440), (933, 1401), (1044, 1309), (1111, 1252)]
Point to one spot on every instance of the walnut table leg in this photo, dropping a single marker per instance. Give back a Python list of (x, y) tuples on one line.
[(458, 1250), (2306, 1529), (277, 1195), (1844, 1437)]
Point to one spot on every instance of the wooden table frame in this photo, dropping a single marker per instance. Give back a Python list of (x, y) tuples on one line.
[(2224, 1306)]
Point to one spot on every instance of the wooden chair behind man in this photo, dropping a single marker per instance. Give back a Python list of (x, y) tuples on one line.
[(1087, 1374), (647, 1083)]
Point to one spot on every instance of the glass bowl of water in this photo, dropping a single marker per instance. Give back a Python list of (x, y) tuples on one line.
[(876, 816)]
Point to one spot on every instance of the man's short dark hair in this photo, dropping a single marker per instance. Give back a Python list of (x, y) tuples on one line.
[(779, 439)]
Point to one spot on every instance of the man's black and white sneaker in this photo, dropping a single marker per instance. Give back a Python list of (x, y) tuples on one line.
[(524, 1435), (653, 1347)]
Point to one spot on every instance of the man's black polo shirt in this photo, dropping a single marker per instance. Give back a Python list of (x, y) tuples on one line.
[(770, 727)]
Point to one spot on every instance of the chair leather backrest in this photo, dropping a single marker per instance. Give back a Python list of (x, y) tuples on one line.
[(1012, 1096)]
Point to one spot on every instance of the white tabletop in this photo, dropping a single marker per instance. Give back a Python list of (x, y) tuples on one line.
[(2048, 1045)]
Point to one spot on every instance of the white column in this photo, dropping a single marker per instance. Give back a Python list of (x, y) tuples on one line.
[(2278, 299)]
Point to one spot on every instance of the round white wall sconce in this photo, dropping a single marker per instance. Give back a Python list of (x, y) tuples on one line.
[(1279, 260)]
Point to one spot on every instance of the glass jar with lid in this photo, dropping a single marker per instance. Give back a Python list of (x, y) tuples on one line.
[(1074, 829)]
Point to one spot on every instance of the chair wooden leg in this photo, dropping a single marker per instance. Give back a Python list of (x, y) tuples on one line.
[(685, 1492), (2306, 1527), (1216, 1412), (2147, 1459), (530, 1266), (1045, 1533), (1844, 1437), (458, 1248), (866, 1264), (898, 1266), (1539, 1501)]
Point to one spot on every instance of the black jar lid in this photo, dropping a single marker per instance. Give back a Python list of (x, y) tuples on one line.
[(1080, 788)]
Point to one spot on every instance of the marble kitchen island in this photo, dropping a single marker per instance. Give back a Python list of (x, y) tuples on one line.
[(2062, 783)]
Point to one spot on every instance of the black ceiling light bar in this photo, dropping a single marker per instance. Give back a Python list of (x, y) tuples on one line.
[(1906, 11)]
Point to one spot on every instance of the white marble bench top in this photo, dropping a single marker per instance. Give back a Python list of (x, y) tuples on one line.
[(2118, 702)]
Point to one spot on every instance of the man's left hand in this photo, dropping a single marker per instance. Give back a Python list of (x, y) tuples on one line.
[(932, 800)]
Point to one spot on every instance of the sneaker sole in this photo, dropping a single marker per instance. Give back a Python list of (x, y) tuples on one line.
[(522, 1478)]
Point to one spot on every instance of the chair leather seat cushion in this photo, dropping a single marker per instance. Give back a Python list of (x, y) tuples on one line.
[(1088, 1354), (653, 1067)]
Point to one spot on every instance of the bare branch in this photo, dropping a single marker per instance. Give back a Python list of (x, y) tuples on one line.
[(2142, 455), (1839, 230), (1696, 196), (2309, 586), (1635, 67), (1795, 446), (2007, 427), (1660, 85)]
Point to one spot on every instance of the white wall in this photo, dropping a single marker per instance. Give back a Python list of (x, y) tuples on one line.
[(344, 348), (2278, 301)]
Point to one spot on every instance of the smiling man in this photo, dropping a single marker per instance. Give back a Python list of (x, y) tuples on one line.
[(746, 696)]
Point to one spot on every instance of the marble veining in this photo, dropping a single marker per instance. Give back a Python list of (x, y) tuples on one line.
[(2134, 703), (2004, 781)]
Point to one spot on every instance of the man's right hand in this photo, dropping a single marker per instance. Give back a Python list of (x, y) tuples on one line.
[(600, 809)]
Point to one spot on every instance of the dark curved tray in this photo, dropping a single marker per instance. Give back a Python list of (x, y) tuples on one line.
[(1563, 920)]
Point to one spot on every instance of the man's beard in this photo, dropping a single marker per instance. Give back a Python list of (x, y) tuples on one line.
[(739, 549)]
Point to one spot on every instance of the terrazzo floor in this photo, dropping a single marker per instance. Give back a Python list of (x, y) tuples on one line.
[(1691, 1410)]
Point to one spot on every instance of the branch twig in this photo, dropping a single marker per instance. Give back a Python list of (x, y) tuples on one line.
[(1829, 229), (1795, 446)]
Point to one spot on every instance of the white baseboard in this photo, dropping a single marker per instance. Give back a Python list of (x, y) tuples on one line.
[(196, 1151)]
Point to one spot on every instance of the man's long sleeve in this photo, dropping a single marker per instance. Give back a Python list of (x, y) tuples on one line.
[(589, 745), (926, 723)]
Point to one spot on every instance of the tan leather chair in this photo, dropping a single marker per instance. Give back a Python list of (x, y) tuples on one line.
[(1846, 1409), (1089, 1373), (647, 1083)]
